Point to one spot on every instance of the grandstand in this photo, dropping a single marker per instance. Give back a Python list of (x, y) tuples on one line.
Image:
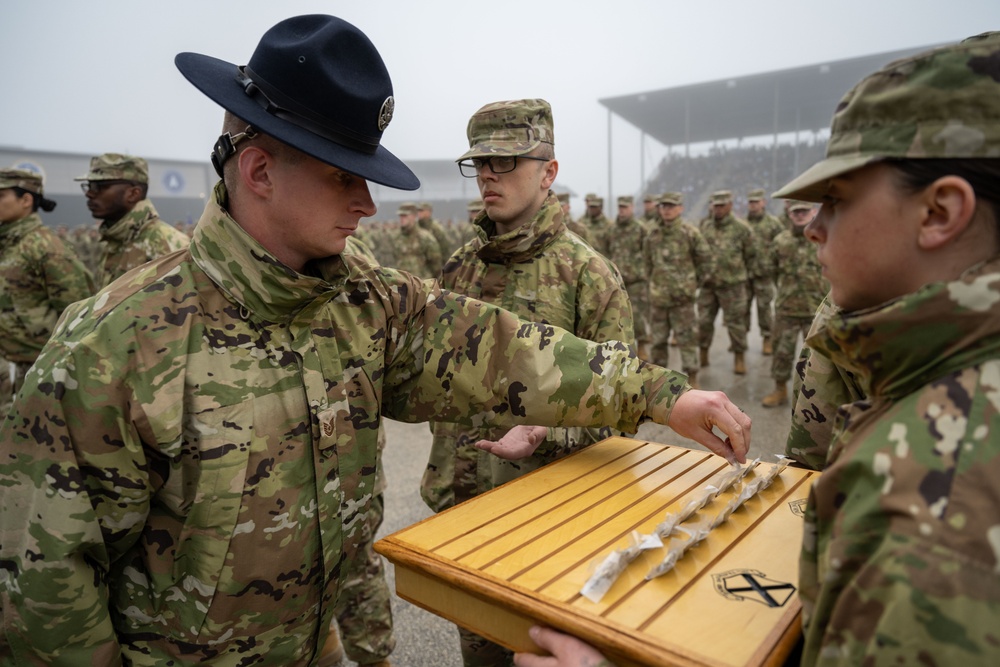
[(717, 134), (737, 116)]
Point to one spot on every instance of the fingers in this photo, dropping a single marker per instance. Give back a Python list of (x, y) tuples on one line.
[(696, 413)]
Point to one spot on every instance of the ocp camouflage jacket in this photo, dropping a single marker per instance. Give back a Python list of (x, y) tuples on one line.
[(140, 236), (544, 273), (901, 550), (39, 276), (186, 476)]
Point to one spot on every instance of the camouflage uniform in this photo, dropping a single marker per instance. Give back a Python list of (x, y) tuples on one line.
[(725, 281), (906, 508), (801, 288), (364, 611), (39, 277), (597, 228), (821, 389), (434, 228), (624, 249), (542, 273), (900, 555), (760, 287), (417, 252), (676, 257), (214, 406), (140, 236)]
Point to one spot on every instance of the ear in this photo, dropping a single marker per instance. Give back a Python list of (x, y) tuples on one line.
[(948, 204), (549, 175), (255, 165)]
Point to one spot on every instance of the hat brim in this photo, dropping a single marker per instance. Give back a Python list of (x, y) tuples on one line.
[(217, 79), (514, 148), (812, 184)]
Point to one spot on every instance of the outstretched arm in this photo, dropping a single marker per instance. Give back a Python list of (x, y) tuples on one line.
[(694, 415)]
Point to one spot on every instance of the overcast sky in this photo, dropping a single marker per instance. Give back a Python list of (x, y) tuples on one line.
[(98, 76)]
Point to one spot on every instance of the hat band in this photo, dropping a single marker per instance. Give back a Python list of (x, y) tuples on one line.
[(280, 106)]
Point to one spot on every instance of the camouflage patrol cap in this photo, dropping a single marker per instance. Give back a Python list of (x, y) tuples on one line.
[(799, 205), (513, 127), (757, 194), (474, 206), (648, 199), (116, 167), (675, 198), (943, 103), (406, 208), (625, 200), (721, 197), (563, 197), (25, 179), (425, 206)]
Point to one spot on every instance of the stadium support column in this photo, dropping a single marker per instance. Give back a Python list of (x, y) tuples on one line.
[(772, 186)]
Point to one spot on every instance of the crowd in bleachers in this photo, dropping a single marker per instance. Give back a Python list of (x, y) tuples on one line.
[(737, 169)]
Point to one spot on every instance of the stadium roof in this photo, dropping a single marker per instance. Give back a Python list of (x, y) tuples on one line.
[(789, 100)]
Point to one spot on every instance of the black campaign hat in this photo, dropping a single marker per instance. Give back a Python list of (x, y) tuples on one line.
[(316, 83)]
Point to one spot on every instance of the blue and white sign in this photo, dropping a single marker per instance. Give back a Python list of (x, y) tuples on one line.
[(173, 181)]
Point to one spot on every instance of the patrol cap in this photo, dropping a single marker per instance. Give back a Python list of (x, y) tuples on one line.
[(721, 197), (425, 206), (625, 200), (943, 103), (474, 206), (513, 127), (799, 205), (594, 200), (648, 199), (406, 208), (25, 179), (757, 194), (563, 197), (116, 167), (675, 198)]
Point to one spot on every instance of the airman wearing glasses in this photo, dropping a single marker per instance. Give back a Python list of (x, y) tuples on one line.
[(131, 230), (525, 260)]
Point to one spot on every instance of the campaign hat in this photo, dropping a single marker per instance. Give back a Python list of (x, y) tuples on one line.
[(316, 83)]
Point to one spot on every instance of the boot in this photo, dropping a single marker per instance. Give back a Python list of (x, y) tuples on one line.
[(704, 357), (693, 379), (739, 367), (777, 397), (332, 652), (768, 350)]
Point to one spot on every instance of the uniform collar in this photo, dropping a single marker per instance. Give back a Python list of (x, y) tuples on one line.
[(131, 223), (897, 347), (252, 276), (526, 241)]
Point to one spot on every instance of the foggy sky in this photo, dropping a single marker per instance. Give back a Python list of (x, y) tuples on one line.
[(99, 76)]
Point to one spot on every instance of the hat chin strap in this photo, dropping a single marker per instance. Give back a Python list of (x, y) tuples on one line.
[(225, 147), (280, 106)]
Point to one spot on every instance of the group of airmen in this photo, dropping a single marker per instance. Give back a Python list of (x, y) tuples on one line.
[(679, 274), (222, 397), (41, 271)]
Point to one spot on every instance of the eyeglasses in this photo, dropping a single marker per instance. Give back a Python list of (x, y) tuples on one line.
[(498, 164), (100, 186)]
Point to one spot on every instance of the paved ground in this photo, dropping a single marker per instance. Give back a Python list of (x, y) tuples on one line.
[(425, 640)]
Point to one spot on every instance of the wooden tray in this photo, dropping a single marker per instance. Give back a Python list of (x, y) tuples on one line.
[(520, 554)]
